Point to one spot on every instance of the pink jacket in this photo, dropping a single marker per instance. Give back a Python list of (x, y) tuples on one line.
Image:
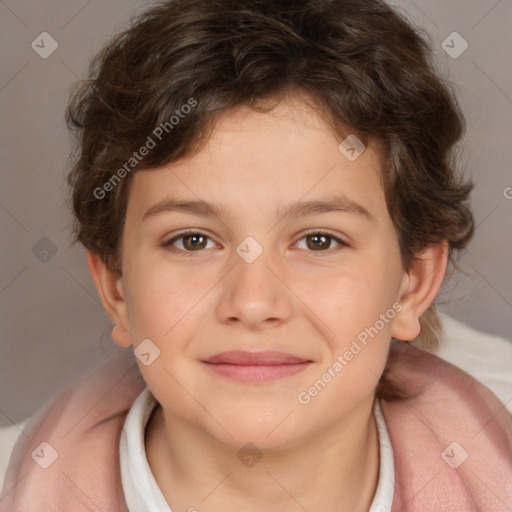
[(452, 442)]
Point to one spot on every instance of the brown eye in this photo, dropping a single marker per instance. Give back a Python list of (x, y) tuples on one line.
[(320, 242), (190, 242), (316, 242)]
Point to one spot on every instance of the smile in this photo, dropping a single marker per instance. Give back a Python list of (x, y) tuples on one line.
[(256, 366)]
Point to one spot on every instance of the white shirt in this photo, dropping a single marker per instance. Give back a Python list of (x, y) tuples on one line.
[(142, 493)]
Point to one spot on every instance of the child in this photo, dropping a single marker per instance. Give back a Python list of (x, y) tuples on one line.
[(269, 200)]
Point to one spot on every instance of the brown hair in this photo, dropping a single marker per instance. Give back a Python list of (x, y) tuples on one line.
[(364, 65)]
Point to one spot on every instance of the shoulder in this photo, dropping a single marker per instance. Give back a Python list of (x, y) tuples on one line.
[(452, 440), (68, 457)]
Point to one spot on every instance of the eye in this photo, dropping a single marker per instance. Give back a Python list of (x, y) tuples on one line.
[(191, 241), (195, 241), (320, 241)]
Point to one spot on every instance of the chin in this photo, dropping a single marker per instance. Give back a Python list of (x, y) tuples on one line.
[(265, 431)]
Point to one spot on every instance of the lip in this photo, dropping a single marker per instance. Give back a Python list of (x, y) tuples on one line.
[(264, 366), (264, 358)]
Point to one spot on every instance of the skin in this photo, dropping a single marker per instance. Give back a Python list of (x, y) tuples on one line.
[(294, 298)]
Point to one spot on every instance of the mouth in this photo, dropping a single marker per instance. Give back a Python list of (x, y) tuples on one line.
[(247, 366)]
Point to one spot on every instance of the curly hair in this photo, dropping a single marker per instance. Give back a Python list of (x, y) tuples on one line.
[(361, 62)]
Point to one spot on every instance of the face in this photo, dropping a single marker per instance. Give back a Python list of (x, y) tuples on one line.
[(270, 314)]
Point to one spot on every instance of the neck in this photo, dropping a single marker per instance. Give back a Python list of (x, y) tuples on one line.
[(336, 469)]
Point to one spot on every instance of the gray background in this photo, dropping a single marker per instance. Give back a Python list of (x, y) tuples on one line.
[(53, 325)]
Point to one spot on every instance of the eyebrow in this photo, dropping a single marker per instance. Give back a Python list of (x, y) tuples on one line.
[(297, 209)]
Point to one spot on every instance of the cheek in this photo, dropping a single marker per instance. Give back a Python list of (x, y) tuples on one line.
[(359, 312), (359, 308), (164, 307), (160, 299), (355, 299)]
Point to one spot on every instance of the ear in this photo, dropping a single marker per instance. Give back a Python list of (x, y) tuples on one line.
[(419, 288), (111, 291)]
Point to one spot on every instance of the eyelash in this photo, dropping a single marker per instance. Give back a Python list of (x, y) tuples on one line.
[(168, 244)]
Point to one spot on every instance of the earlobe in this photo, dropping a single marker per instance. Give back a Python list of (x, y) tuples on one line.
[(419, 288), (111, 291), (121, 336)]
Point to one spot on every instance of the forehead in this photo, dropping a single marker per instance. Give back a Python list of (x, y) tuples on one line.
[(255, 159)]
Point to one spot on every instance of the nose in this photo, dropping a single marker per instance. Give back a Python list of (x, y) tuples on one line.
[(255, 294)]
